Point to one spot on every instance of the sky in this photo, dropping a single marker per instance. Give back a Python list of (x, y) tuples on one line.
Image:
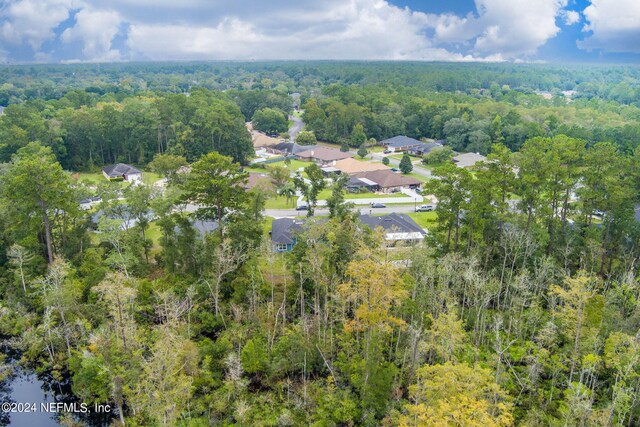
[(54, 31)]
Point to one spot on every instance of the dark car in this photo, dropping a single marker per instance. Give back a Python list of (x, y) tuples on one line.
[(394, 169), (378, 205), (302, 207)]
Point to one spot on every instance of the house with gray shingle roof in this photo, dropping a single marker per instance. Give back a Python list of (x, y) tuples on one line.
[(423, 148), (124, 171), (283, 231), (396, 226), (400, 143)]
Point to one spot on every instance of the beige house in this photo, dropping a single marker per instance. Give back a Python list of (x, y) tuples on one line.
[(468, 160), (350, 166), (322, 155)]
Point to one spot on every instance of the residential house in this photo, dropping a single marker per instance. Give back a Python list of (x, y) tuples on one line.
[(423, 148), (283, 231), (122, 171), (356, 185), (256, 179), (397, 227), (468, 160), (283, 148), (388, 181), (322, 155), (330, 170), (201, 227), (89, 203), (400, 143), (351, 166)]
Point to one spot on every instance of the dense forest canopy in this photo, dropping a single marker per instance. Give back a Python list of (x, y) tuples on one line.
[(520, 307), (100, 114)]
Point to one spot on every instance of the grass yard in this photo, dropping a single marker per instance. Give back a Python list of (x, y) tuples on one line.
[(326, 193), (419, 177), (280, 202), (293, 166), (424, 219)]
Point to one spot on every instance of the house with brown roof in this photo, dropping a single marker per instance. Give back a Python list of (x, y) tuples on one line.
[(387, 181), (322, 155), (259, 179)]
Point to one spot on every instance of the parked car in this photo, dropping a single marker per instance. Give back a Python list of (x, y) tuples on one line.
[(302, 207), (598, 212), (387, 151), (378, 205), (394, 169), (426, 208)]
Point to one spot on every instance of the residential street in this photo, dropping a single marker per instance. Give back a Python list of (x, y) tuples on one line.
[(280, 213), (295, 128)]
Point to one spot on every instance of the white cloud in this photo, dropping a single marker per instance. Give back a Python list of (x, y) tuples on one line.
[(614, 26), (32, 21), (280, 29), (570, 17), (510, 28), (95, 29), (355, 29)]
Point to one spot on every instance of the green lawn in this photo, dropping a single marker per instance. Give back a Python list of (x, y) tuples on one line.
[(326, 193), (293, 166), (419, 177), (280, 202), (424, 219)]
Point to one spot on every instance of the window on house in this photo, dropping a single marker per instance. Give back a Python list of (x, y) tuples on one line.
[(281, 247)]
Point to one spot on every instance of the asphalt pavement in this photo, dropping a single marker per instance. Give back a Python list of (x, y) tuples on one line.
[(290, 213), (295, 128)]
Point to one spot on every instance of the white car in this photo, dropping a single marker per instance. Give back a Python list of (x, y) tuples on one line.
[(426, 208)]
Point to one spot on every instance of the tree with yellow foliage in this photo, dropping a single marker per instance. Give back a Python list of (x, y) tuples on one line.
[(456, 395)]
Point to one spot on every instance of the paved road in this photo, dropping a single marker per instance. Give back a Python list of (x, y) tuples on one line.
[(280, 213), (295, 128)]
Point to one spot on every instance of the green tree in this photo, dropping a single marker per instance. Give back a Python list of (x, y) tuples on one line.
[(405, 164), (38, 193), (167, 165), (306, 137), (385, 161), (270, 121), (337, 206), (452, 191), (217, 186), (362, 151), (358, 137), (311, 189)]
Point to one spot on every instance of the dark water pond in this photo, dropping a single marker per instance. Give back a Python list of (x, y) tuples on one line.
[(23, 388), (38, 401)]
